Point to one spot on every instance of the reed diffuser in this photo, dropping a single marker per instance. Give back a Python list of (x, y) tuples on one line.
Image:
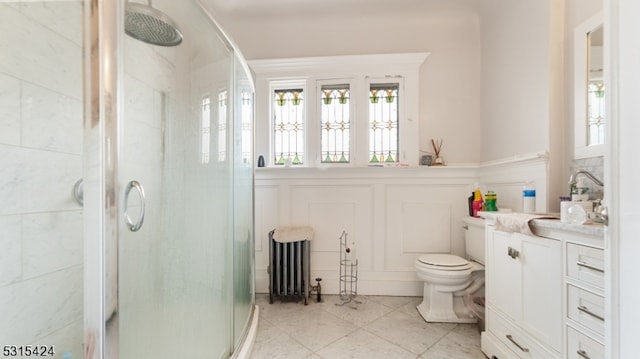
[(437, 148)]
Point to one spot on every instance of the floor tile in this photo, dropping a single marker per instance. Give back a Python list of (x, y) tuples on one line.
[(362, 344), (409, 332), (461, 343), (272, 342), (366, 327)]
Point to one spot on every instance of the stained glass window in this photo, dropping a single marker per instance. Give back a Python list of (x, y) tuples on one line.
[(596, 113), (335, 123), (288, 131), (383, 123), (246, 129), (222, 126), (205, 129)]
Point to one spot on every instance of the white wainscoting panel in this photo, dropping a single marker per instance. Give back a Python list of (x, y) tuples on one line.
[(423, 219), (392, 216), (267, 217), (330, 210)]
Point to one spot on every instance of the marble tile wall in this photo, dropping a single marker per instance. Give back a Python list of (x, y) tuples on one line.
[(41, 262)]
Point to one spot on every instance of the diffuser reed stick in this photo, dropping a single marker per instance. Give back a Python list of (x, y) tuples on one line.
[(437, 149)]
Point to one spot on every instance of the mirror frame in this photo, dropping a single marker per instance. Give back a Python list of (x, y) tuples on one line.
[(580, 78)]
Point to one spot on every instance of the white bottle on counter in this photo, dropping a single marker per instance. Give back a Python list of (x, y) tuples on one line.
[(529, 198)]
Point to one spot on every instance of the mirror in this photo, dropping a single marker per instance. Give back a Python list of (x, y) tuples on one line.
[(589, 92), (595, 88)]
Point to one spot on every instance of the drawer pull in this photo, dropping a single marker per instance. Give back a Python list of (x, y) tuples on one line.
[(583, 354), (586, 310), (513, 253), (586, 265), (526, 350)]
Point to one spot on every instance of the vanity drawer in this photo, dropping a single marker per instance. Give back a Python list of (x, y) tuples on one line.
[(586, 308), (585, 264), (580, 346), (515, 339)]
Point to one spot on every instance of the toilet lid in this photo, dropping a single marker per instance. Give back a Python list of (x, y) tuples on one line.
[(442, 259)]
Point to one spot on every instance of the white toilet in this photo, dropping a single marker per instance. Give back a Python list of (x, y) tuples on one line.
[(449, 278)]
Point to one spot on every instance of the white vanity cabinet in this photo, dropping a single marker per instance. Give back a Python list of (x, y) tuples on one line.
[(524, 316), (584, 285)]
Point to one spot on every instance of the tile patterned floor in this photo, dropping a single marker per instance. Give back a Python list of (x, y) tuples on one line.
[(369, 327)]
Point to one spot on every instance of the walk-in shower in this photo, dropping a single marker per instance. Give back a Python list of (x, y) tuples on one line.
[(156, 261)]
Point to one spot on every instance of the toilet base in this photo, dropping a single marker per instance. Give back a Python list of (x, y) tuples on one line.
[(444, 307)]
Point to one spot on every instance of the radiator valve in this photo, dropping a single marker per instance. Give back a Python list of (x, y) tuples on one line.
[(318, 289)]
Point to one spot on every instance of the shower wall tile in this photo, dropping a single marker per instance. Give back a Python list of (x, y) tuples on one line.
[(146, 65), (142, 143), (11, 178), (40, 145), (53, 241), (37, 181), (11, 249), (142, 103), (68, 339), (62, 17), (26, 320), (51, 120), (14, 5), (38, 55), (9, 109)]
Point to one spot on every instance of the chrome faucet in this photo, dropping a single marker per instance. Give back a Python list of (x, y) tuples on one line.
[(573, 179)]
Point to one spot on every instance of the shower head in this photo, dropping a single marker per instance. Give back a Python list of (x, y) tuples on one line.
[(152, 26)]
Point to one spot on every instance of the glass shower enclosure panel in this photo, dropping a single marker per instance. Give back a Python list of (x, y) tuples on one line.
[(176, 169), (243, 244)]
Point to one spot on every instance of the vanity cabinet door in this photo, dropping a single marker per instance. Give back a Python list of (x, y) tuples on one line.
[(504, 273), (524, 283), (541, 260)]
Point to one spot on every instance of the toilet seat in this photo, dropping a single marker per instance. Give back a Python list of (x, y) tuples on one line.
[(444, 262)]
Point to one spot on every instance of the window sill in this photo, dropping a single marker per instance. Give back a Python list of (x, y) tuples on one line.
[(415, 172)]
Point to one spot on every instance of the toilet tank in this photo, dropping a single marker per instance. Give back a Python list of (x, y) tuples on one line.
[(474, 238)]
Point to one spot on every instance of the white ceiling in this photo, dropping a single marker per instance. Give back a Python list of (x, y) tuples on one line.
[(314, 8)]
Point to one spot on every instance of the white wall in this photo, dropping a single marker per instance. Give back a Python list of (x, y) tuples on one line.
[(515, 78), (493, 87), (41, 241), (489, 89), (449, 104), (522, 84)]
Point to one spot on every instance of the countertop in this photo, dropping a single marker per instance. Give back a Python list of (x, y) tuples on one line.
[(588, 228), (543, 226)]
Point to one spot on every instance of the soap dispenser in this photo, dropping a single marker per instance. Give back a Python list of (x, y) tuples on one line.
[(579, 191)]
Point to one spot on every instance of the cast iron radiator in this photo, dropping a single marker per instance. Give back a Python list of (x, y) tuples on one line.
[(289, 275)]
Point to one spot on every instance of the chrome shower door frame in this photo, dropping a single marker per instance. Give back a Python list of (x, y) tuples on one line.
[(102, 107)]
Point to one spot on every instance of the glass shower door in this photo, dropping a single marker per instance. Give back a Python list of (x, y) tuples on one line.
[(175, 270)]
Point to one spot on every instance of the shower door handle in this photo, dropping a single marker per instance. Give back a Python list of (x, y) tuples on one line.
[(134, 227)]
